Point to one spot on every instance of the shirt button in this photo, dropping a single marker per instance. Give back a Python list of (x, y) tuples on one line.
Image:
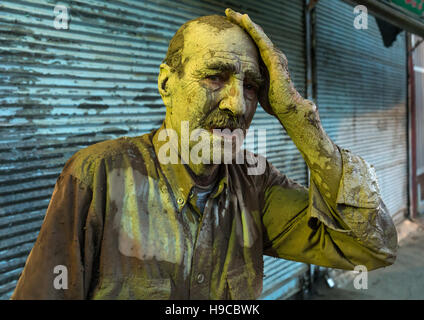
[(200, 278), (180, 201)]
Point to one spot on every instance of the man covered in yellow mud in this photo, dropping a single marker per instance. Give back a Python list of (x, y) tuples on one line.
[(131, 219)]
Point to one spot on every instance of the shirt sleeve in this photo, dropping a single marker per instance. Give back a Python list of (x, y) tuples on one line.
[(356, 229), (61, 262)]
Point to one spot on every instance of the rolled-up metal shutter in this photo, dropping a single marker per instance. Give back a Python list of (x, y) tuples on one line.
[(361, 96), (62, 90)]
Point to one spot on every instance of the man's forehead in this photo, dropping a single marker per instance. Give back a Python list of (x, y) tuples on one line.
[(201, 38), (225, 56)]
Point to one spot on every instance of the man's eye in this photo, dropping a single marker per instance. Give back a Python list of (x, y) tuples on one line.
[(249, 86), (214, 78)]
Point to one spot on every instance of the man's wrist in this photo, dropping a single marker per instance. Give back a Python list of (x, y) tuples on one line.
[(327, 173), (303, 125), (296, 110)]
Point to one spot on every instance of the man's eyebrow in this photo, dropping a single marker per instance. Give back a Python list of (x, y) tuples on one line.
[(222, 66)]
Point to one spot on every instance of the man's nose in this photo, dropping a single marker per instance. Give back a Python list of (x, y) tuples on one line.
[(233, 100)]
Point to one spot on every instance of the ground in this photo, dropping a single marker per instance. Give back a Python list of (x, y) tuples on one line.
[(404, 280)]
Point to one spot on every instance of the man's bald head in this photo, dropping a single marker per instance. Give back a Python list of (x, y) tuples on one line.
[(176, 45)]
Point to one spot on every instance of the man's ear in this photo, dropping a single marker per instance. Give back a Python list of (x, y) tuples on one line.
[(163, 82)]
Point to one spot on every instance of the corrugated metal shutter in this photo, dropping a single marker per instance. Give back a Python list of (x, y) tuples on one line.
[(361, 96), (61, 90)]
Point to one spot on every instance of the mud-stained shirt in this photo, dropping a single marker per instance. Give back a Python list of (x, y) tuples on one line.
[(123, 226)]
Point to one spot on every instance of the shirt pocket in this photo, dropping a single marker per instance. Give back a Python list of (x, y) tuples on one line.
[(134, 288), (245, 282), (151, 289)]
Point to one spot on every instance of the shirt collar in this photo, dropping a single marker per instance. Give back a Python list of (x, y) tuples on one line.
[(179, 179)]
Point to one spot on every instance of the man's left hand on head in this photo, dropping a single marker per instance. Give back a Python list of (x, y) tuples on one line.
[(279, 94)]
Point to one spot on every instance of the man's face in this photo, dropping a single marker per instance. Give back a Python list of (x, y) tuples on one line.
[(218, 88)]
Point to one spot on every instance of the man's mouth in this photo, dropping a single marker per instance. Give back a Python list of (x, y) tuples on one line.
[(229, 128), (228, 133)]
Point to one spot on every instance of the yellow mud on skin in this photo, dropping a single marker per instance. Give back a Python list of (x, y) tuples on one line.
[(187, 90)]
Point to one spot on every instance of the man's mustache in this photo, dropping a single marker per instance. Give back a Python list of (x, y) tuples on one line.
[(220, 120)]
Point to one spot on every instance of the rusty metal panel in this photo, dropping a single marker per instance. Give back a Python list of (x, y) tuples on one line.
[(64, 89), (418, 60), (362, 96)]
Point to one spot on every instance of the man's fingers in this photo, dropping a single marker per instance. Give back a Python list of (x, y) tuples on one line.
[(264, 44), (233, 16), (255, 31)]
